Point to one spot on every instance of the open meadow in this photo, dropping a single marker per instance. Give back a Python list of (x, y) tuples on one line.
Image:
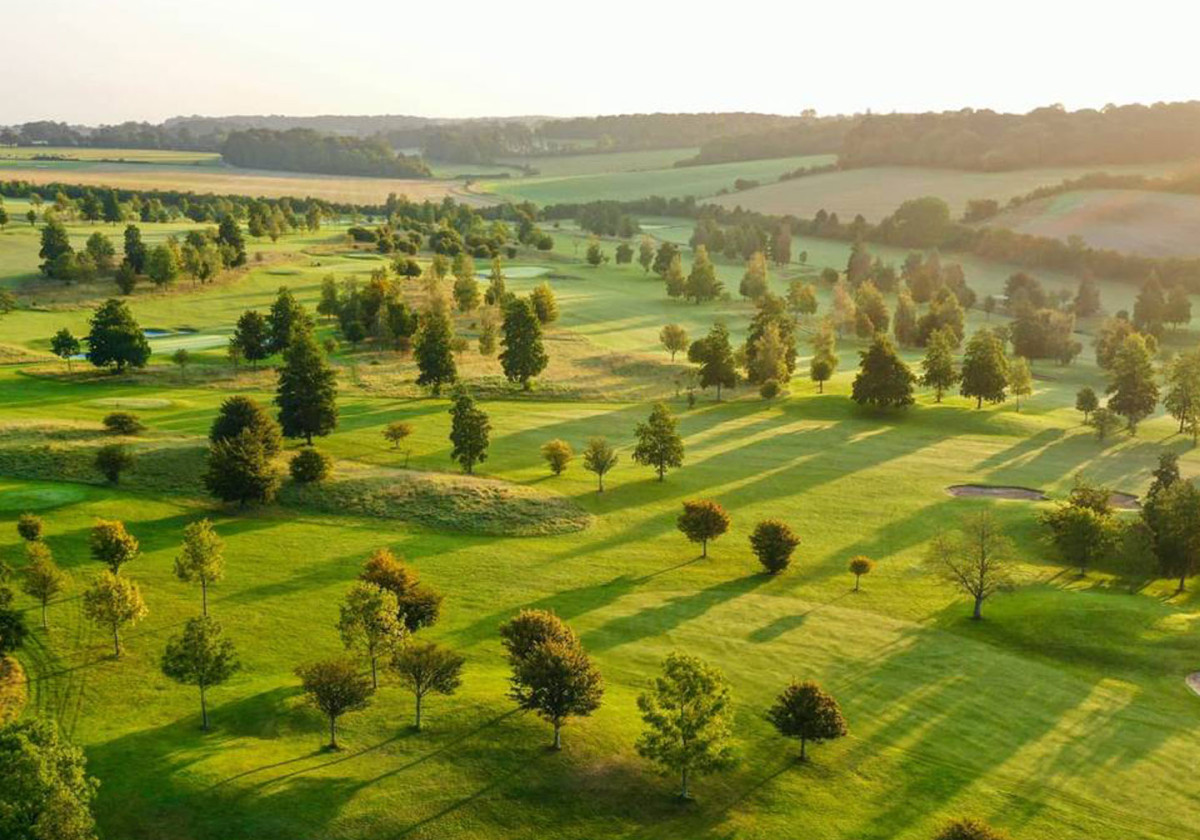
[(1052, 718)]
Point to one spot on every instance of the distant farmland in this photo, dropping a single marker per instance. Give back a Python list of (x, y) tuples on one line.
[(877, 191), (1152, 223), (76, 153)]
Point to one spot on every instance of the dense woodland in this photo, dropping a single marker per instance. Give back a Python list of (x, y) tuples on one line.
[(304, 150)]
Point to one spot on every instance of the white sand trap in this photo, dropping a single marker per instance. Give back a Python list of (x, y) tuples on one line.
[(1193, 682), (989, 492)]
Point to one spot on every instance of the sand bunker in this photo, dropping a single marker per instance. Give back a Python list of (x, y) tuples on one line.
[(1193, 682), (990, 492)]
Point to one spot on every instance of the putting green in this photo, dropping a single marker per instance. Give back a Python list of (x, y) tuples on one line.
[(518, 272), (15, 497), (143, 403)]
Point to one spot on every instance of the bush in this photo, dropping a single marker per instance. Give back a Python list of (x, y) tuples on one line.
[(29, 526), (558, 454), (309, 465), (969, 829), (123, 423), (773, 543), (112, 460), (769, 390)]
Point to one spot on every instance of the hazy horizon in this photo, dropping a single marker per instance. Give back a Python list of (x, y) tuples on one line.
[(143, 62)]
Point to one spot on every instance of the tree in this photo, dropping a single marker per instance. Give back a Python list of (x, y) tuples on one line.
[(239, 413), (328, 305), (624, 254), (12, 624), (251, 335), (286, 316), (43, 579), (112, 602), (870, 306), (1178, 309), (528, 629), (1080, 532), (645, 253), (824, 361), (115, 339), (434, 346), (370, 621), (904, 324), (1105, 421), (1133, 393), (397, 432), (1173, 515), (557, 680), (100, 250), (1150, 308), (240, 469), (30, 527), (162, 265), (969, 829), (112, 460), (599, 457), (200, 559), (773, 543), (715, 356), (200, 656), (973, 560), (805, 711), (307, 390), (45, 791), (182, 358), (688, 720), (112, 545), (335, 687), (1182, 399), (427, 668), (419, 605), (466, 292), (470, 430), (674, 278), (1020, 379), (135, 250), (702, 521), (860, 566), (938, 370), (884, 380), (802, 297), (754, 281), (309, 466), (594, 255), (767, 357), (65, 346), (56, 245), (658, 442), (674, 339), (488, 334), (1086, 401), (702, 283), (523, 356), (557, 454), (544, 303), (984, 368)]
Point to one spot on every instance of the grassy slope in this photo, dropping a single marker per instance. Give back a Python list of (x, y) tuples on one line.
[(699, 181), (877, 191), (158, 156), (1151, 223), (1050, 718)]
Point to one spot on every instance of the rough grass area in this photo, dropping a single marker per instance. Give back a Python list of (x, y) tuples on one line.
[(470, 504), (12, 689), (11, 354)]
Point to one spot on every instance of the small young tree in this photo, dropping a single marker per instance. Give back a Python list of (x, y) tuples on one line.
[(1086, 401), (973, 560), (687, 719), (470, 431), (557, 680), (984, 368), (1105, 421), (1080, 533), (702, 521), (29, 527), (658, 442), (335, 687), (419, 605), (426, 668), (200, 656), (122, 423), (112, 545), (239, 469), (1020, 379), (824, 361), (599, 457), (43, 578), (558, 455), (714, 354), (112, 602), (65, 346), (112, 460), (397, 432), (773, 543), (181, 358), (370, 622), (674, 339), (201, 559), (309, 466), (1133, 393), (545, 306), (528, 629), (805, 711), (252, 335), (523, 356), (859, 566), (938, 370)]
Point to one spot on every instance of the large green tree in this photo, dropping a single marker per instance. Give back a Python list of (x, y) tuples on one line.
[(938, 370), (1133, 392), (336, 688), (45, 790), (884, 380), (807, 712), (427, 668), (434, 351), (115, 339), (557, 681), (658, 442), (200, 656), (523, 356), (240, 469), (702, 283), (307, 389), (470, 430), (714, 354), (984, 368)]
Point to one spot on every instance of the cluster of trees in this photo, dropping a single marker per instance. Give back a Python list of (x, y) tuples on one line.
[(805, 135), (305, 150), (126, 135)]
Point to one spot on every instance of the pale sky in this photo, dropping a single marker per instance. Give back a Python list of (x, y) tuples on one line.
[(86, 61)]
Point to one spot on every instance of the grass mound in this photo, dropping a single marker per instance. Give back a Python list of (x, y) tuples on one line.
[(21, 499), (12, 689), (448, 502)]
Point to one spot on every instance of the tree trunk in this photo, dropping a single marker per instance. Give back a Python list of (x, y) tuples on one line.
[(856, 579), (979, 402), (803, 749), (204, 596), (557, 735), (683, 785), (978, 614), (704, 548), (333, 733), (203, 710), (662, 473), (601, 477), (821, 387), (47, 627), (116, 643), (718, 392), (308, 438), (374, 675), (417, 723), (1182, 583)]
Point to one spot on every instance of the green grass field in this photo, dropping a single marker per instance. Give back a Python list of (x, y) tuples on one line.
[(570, 184), (1052, 718), (1136, 221), (72, 153), (875, 192)]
